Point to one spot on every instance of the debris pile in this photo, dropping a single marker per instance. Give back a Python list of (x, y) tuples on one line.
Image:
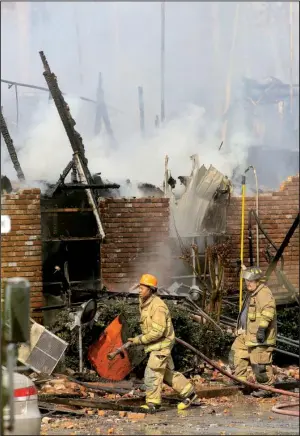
[(202, 336)]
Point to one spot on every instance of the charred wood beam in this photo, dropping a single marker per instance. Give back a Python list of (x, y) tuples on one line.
[(75, 139), (66, 210), (64, 112), (75, 282), (91, 186), (102, 113), (61, 179), (74, 238), (283, 245), (96, 404), (11, 149)]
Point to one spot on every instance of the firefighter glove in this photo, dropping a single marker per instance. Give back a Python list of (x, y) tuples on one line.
[(136, 340), (261, 335)]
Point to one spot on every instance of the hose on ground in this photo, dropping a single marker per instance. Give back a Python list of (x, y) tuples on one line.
[(222, 371), (278, 409)]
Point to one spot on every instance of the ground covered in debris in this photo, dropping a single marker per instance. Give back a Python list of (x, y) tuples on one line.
[(233, 414), (239, 414)]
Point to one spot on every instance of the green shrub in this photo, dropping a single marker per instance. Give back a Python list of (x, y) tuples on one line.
[(203, 337)]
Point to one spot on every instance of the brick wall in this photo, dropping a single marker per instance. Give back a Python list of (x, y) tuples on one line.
[(21, 249), (136, 240), (277, 211)]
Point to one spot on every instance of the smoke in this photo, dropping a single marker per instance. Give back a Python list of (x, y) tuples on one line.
[(46, 150), (122, 41)]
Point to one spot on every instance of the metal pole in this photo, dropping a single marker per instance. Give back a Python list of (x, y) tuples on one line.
[(194, 263), (256, 200), (11, 364), (216, 50), (257, 235), (162, 64), (156, 122), (141, 108), (242, 239), (99, 106), (80, 349), (78, 45), (229, 74), (166, 178), (41, 88), (291, 55)]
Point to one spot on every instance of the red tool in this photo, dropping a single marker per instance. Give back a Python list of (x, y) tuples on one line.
[(119, 351), (110, 343)]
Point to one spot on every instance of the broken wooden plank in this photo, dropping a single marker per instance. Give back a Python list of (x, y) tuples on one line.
[(11, 149)]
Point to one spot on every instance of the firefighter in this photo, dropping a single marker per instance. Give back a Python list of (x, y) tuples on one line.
[(256, 332), (158, 337)]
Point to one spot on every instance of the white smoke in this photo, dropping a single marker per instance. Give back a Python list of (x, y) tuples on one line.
[(122, 40), (47, 150)]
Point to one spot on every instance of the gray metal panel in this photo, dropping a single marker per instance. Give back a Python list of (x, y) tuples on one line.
[(47, 350)]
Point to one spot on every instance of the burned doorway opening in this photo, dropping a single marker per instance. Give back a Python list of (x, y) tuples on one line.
[(71, 249)]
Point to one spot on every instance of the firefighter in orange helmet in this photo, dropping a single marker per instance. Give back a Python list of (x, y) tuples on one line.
[(158, 337)]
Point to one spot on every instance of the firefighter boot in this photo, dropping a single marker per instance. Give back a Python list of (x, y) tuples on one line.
[(151, 407), (263, 394), (187, 401)]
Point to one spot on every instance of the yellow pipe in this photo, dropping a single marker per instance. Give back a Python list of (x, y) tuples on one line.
[(291, 57), (242, 238)]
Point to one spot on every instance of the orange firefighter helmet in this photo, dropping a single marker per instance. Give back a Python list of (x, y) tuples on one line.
[(149, 280)]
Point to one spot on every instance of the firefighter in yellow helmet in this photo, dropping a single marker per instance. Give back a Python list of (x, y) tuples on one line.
[(158, 337), (256, 332)]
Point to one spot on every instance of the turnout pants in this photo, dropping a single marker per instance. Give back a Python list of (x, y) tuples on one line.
[(259, 357), (159, 369)]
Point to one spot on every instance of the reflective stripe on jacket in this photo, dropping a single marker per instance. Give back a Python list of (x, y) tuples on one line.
[(261, 313), (156, 325)]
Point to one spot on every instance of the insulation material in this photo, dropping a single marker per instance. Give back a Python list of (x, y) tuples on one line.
[(189, 211), (44, 352)]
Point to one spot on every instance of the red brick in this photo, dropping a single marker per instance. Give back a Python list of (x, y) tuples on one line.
[(135, 230), (277, 212), (21, 248)]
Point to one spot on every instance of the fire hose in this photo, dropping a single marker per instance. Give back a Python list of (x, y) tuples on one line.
[(275, 409), (224, 372), (217, 367), (278, 409)]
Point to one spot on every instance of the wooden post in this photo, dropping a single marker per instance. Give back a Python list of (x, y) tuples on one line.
[(162, 64), (156, 122), (23, 31), (101, 112), (78, 45), (229, 74), (216, 50), (99, 106), (141, 108), (11, 148)]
